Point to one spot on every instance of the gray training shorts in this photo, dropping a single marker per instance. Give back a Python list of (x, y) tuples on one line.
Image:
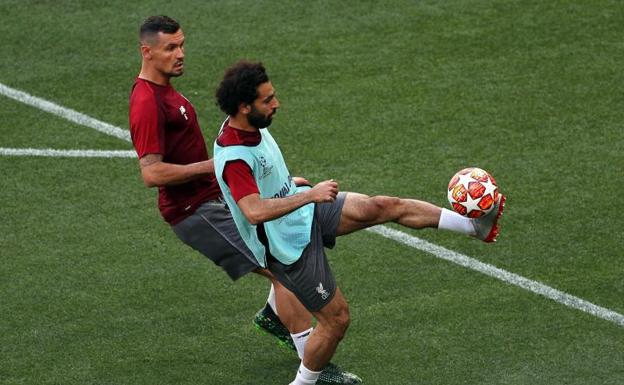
[(211, 231), (310, 277)]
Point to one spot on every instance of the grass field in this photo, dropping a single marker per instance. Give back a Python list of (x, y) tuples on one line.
[(386, 97)]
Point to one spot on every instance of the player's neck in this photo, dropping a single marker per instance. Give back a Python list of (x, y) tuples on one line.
[(240, 122), (154, 76)]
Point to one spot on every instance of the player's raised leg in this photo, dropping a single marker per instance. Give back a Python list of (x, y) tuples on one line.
[(361, 211)]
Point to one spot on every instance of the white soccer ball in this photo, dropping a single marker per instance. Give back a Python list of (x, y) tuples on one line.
[(472, 192)]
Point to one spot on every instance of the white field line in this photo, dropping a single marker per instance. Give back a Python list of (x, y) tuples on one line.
[(500, 274), (398, 236), (67, 153), (63, 112)]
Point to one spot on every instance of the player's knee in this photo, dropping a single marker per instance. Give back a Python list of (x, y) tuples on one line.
[(382, 206), (340, 322)]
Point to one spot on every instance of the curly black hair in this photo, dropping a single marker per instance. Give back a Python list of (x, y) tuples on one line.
[(240, 85)]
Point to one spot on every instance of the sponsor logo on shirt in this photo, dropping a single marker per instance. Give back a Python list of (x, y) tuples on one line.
[(283, 192)]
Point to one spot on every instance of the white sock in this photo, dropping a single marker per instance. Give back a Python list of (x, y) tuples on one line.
[(450, 220), (300, 340), (305, 376), (271, 299)]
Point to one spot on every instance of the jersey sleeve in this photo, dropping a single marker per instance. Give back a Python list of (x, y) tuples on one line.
[(147, 124), (240, 179)]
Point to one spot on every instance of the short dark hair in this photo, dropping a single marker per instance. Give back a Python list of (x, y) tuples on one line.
[(154, 24), (240, 85)]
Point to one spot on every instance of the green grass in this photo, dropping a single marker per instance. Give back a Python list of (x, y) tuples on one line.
[(386, 97)]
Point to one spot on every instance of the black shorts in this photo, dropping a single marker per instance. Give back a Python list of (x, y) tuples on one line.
[(211, 231), (310, 277)]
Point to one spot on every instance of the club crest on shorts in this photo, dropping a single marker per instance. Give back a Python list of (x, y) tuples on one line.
[(324, 293)]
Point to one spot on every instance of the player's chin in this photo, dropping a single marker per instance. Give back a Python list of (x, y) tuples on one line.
[(177, 71)]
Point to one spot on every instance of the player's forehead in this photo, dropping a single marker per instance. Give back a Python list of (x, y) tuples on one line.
[(265, 90), (176, 38)]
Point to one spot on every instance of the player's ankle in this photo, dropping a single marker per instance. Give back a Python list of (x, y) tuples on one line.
[(305, 376), (450, 220)]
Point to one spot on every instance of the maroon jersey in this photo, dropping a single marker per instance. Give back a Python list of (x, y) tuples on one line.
[(162, 121)]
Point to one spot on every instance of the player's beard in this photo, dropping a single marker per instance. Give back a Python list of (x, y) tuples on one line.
[(257, 120)]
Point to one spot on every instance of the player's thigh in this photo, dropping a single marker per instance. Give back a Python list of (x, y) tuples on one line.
[(310, 277), (359, 212), (212, 232)]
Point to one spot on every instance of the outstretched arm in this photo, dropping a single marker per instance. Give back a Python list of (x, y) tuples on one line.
[(258, 210), (155, 172)]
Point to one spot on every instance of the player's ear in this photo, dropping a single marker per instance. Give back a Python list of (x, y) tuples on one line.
[(146, 51), (244, 108)]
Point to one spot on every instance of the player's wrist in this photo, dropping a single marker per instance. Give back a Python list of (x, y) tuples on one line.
[(310, 196), (209, 166)]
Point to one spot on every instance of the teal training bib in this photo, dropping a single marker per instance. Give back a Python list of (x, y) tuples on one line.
[(287, 235)]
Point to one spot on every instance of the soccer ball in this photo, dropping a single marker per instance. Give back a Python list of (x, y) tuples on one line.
[(472, 192)]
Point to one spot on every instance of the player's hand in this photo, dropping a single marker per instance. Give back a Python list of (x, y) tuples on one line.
[(325, 191), (301, 181)]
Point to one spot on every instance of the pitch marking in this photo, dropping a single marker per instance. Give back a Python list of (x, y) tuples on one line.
[(67, 153), (500, 274), (398, 236), (63, 112)]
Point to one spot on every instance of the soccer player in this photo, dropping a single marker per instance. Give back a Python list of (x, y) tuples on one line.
[(287, 226), (173, 157)]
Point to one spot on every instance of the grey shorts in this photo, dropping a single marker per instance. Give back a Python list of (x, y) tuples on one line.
[(211, 231), (310, 277)]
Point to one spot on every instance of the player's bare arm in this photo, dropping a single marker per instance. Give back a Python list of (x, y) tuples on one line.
[(155, 172), (258, 210)]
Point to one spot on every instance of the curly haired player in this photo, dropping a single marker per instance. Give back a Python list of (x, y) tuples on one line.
[(287, 226)]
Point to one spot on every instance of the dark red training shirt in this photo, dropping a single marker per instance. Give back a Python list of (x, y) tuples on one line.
[(238, 170), (162, 121)]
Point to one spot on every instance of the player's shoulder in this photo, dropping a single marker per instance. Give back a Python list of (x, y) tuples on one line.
[(142, 90), (143, 97)]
